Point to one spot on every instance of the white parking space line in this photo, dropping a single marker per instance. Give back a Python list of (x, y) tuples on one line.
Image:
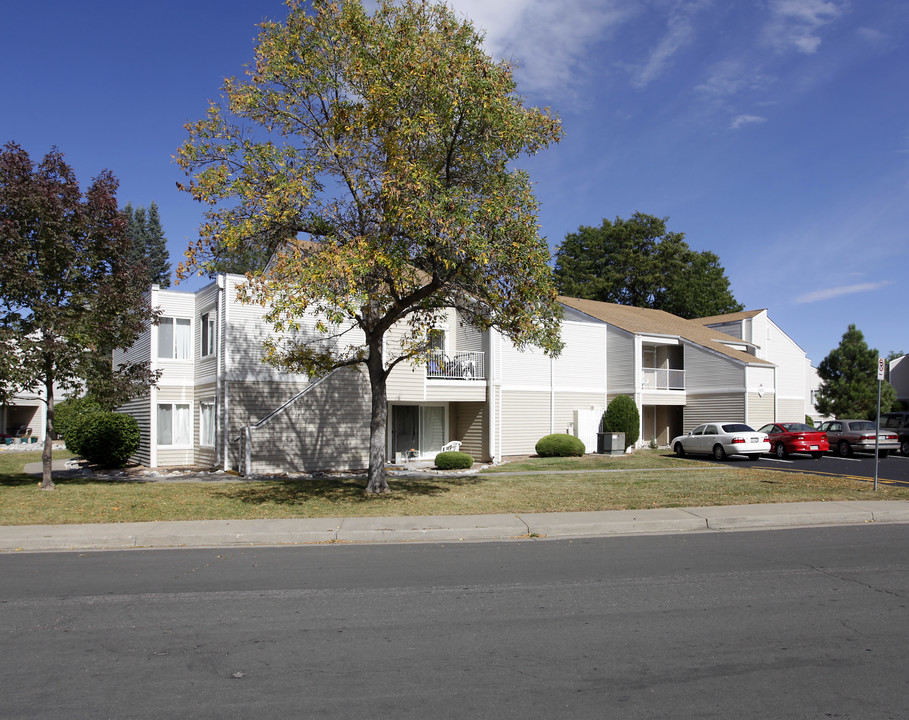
[(837, 457), (773, 459)]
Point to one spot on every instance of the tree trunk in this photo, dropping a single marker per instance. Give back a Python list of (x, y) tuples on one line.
[(47, 458), (377, 423)]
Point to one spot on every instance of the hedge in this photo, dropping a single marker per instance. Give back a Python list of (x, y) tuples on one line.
[(560, 445)]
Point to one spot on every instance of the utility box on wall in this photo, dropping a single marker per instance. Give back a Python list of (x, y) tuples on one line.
[(611, 443)]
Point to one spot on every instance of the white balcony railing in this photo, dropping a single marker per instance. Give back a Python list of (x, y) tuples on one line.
[(457, 366), (662, 379)]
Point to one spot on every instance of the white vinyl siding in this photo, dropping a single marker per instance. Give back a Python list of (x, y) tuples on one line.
[(525, 418), (706, 408), (621, 362)]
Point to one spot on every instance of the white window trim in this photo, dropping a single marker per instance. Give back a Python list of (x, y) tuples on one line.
[(213, 429), (212, 333), (171, 359), (173, 405)]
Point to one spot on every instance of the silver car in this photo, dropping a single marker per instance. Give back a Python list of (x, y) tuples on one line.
[(846, 436), (721, 439)]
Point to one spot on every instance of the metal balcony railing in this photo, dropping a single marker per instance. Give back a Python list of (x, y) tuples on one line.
[(458, 366), (662, 379)]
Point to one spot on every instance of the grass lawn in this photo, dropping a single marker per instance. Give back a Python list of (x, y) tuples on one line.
[(648, 480)]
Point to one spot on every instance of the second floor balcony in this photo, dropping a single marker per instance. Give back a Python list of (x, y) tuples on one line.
[(469, 365), (662, 379)]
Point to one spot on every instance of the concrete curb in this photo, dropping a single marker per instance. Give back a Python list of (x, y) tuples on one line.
[(449, 528)]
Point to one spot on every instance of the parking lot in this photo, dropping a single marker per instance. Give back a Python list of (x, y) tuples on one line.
[(892, 470)]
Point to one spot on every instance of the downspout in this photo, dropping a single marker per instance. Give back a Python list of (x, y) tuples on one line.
[(220, 405), (491, 380), (153, 390)]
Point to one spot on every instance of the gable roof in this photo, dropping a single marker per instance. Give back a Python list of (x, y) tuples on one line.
[(728, 317), (646, 321)]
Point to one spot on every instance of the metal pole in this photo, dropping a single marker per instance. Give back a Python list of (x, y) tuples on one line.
[(877, 433)]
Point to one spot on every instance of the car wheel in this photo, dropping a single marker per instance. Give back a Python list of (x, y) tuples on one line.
[(753, 457), (679, 450), (718, 452), (904, 447), (817, 455), (844, 449), (781, 450)]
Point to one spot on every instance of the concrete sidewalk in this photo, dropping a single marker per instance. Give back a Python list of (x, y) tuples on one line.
[(450, 528)]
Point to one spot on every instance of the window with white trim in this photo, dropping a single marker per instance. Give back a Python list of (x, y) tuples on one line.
[(208, 334), (174, 425), (174, 338), (207, 423)]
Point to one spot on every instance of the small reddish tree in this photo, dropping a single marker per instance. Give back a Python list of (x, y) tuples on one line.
[(67, 286)]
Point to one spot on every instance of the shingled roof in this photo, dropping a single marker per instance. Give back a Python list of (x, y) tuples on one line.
[(645, 321)]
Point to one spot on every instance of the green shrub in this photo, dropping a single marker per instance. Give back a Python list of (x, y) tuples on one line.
[(105, 438), (560, 445), (622, 416), (809, 421), (69, 412), (453, 460)]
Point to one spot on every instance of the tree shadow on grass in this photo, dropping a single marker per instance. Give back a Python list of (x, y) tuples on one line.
[(341, 491)]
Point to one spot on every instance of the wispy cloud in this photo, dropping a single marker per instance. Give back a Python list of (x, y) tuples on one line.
[(680, 32), (550, 41), (796, 24), (829, 293), (742, 120)]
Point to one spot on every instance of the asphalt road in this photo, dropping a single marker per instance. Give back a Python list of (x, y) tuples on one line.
[(893, 469), (809, 623)]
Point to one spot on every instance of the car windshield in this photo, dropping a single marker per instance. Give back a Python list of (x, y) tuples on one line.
[(797, 427), (863, 425), (736, 427)]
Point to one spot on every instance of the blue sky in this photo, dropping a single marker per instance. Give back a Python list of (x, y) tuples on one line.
[(774, 133)]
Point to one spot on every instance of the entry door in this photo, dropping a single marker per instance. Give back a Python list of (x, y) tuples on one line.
[(405, 428)]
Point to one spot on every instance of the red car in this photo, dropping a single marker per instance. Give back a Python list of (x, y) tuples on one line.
[(789, 437)]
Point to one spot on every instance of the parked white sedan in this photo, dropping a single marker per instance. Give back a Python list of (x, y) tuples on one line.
[(721, 439)]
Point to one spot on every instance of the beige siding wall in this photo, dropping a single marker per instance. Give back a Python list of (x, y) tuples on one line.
[(761, 410), (567, 403), (328, 428), (525, 418), (582, 365), (718, 407), (467, 422), (790, 411), (407, 381)]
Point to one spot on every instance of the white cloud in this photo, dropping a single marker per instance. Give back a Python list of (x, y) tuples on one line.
[(829, 293), (550, 41), (795, 24), (742, 120)]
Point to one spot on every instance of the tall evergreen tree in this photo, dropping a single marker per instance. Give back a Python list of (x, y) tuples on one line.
[(638, 262), (849, 380), (149, 242)]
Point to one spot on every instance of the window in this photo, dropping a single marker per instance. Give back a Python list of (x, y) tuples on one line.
[(207, 423), (174, 339), (208, 334), (174, 425)]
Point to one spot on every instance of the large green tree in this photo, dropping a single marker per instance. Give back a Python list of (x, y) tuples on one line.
[(67, 286), (368, 157), (849, 380), (638, 262)]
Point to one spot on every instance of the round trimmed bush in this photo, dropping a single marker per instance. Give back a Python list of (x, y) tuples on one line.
[(560, 445), (107, 439), (70, 412), (622, 416), (453, 460)]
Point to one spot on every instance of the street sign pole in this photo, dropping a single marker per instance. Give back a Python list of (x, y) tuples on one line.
[(877, 424)]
